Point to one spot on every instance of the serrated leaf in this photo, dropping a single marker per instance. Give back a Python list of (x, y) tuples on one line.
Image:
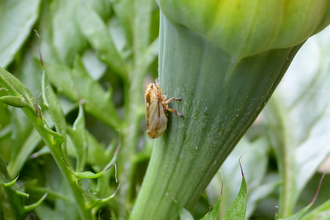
[(256, 150), (12, 190), (91, 175), (78, 81), (97, 101), (17, 88), (237, 210)]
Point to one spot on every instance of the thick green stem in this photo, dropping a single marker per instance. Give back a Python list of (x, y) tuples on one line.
[(221, 97)]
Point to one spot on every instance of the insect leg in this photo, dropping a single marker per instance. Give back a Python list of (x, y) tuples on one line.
[(175, 111), (172, 99)]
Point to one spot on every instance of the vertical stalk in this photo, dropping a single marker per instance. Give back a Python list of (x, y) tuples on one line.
[(221, 97), (134, 110), (275, 116), (130, 129)]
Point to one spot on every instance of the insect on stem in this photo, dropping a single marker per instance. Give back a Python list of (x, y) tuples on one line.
[(156, 110)]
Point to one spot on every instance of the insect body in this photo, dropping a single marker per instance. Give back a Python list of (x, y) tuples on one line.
[(156, 110)]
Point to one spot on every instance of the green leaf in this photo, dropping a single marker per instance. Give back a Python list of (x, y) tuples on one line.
[(105, 200), (9, 184), (96, 101), (30, 143), (35, 205), (256, 150), (99, 37), (320, 213), (213, 215), (95, 149), (62, 208), (141, 25), (10, 196), (91, 175), (296, 216), (298, 119), (237, 209), (15, 29), (24, 139), (55, 111), (14, 101), (5, 132), (4, 176), (103, 181), (124, 10), (50, 193), (15, 88), (183, 213), (93, 65), (302, 212), (79, 139), (67, 39)]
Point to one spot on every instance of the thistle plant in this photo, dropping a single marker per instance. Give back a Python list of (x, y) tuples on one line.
[(73, 143)]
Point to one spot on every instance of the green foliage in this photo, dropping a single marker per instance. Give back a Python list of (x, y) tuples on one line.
[(72, 129)]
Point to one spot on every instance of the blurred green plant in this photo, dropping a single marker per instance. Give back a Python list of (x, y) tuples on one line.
[(70, 124)]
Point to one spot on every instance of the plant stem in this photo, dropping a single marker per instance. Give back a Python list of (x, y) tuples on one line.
[(221, 97)]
